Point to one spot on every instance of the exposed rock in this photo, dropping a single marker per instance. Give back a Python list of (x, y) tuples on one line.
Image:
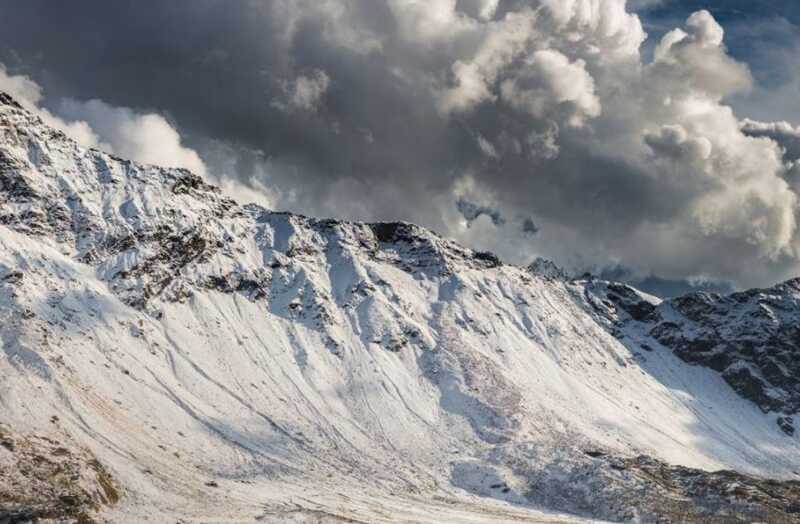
[(751, 338), (10, 276), (787, 425), (42, 479), (679, 494), (547, 269), (631, 302)]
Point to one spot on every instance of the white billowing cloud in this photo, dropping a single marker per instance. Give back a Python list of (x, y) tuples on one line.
[(29, 94), (549, 83), (472, 88), (704, 29), (487, 8), (334, 17), (22, 88), (146, 138), (599, 28), (695, 59), (599, 31), (787, 136), (143, 137), (735, 192), (475, 78), (746, 196), (304, 93), (553, 43), (701, 30), (719, 186), (429, 21), (674, 142), (253, 193)]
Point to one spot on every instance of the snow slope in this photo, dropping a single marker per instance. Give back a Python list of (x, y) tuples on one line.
[(229, 363)]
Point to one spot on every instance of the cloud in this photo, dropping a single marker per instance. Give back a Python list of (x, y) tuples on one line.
[(474, 77), (550, 84), (482, 9), (487, 147), (646, 4), (146, 138), (304, 93), (783, 133), (452, 114), (694, 59), (471, 212), (673, 141), (29, 94), (529, 227), (543, 144)]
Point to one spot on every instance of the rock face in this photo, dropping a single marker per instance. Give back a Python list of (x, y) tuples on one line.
[(547, 269), (221, 362), (42, 479), (690, 495), (751, 338)]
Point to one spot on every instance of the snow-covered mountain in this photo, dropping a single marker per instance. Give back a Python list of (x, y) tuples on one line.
[(169, 354)]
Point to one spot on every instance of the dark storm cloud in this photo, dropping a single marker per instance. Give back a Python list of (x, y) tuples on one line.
[(662, 287), (216, 66), (421, 111), (529, 227), (472, 212)]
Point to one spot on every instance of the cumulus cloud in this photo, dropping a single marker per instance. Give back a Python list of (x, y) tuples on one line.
[(145, 137), (673, 141), (528, 127), (550, 84), (694, 58), (29, 94), (783, 133), (543, 144), (474, 77), (431, 21), (482, 9)]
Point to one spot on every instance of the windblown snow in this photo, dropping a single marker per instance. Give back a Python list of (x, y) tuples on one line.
[(229, 363)]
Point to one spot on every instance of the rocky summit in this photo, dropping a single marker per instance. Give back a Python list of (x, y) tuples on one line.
[(168, 354)]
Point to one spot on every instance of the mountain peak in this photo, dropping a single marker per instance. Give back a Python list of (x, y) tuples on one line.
[(547, 269)]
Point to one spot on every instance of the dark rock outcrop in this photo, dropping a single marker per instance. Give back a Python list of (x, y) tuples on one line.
[(752, 338)]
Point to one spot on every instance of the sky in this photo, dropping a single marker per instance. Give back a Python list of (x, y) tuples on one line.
[(652, 140)]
